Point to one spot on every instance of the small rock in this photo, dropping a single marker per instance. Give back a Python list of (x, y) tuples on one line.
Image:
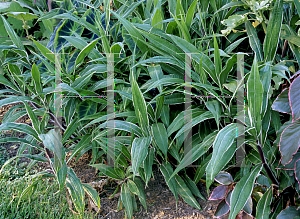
[(148, 193)]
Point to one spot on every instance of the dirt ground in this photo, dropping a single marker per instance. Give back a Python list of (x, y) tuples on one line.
[(160, 200)]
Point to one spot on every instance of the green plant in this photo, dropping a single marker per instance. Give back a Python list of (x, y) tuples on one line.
[(151, 42)]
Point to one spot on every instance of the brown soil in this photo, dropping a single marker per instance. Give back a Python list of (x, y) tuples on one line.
[(160, 200)]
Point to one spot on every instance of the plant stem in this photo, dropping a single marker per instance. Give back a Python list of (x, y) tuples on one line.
[(266, 166)]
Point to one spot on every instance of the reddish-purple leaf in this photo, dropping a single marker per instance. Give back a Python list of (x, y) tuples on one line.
[(219, 192), (281, 104), (228, 198), (222, 209), (294, 98), (289, 212), (289, 142), (224, 178), (297, 171)]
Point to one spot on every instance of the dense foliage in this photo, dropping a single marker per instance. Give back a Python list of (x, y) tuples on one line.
[(151, 44)]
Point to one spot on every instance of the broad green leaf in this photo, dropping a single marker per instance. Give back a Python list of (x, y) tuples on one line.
[(136, 187), (190, 14), (84, 142), (45, 51), (86, 108), (167, 170), (217, 57), (134, 33), (85, 51), (281, 103), (20, 127), (273, 31), (192, 186), (196, 152), (92, 193), (157, 18), (207, 64), (160, 136), (23, 16), (148, 162), (140, 107), (242, 191), (223, 150), (254, 41), (127, 200), (107, 170), (263, 208), (186, 193), (12, 34), (52, 141), (139, 152), (122, 125), (61, 177), (35, 73), (255, 97), (215, 108), (34, 120)]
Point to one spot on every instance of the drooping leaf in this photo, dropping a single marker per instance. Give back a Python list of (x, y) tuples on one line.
[(223, 150), (242, 191), (139, 152), (185, 192), (294, 94), (127, 200), (161, 138), (281, 104), (263, 208), (273, 31), (289, 142)]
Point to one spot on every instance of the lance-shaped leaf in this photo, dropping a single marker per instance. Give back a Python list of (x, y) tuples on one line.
[(52, 141), (186, 193), (242, 192), (139, 152), (33, 118), (161, 137), (263, 208), (255, 97), (281, 104), (289, 142), (85, 51), (35, 73), (223, 150), (167, 170), (140, 107), (107, 170), (196, 152), (92, 193), (294, 94), (254, 41), (20, 127), (127, 200), (136, 187), (134, 33), (45, 51), (273, 31), (12, 34)]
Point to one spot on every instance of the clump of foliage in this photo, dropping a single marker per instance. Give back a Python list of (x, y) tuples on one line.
[(164, 53)]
